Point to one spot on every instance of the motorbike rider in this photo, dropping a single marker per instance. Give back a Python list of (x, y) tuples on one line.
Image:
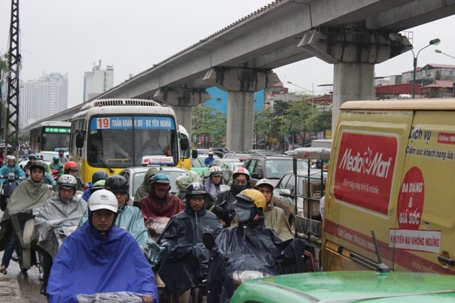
[(26, 168), (224, 208), (144, 189), (98, 175), (56, 165), (160, 203), (47, 176), (66, 209), (61, 156), (100, 257), (29, 194), (249, 246), (71, 168), (209, 159), (274, 217), (129, 217), (11, 166), (213, 184), (184, 260)]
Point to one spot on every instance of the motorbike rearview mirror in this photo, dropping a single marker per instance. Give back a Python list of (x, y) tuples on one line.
[(184, 143), (80, 139), (194, 153)]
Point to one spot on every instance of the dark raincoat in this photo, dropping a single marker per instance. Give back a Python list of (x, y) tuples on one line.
[(250, 247), (93, 262), (224, 207), (184, 252)]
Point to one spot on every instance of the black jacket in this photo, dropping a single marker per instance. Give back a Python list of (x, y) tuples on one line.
[(184, 259), (250, 247)]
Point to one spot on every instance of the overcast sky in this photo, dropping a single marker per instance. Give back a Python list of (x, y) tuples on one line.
[(70, 36)]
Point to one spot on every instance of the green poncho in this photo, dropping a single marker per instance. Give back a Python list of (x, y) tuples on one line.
[(144, 189)]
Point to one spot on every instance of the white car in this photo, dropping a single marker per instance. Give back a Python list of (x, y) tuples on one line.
[(47, 157)]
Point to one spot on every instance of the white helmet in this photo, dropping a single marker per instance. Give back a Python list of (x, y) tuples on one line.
[(243, 171), (67, 181), (103, 199), (216, 171), (11, 157), (264, 182)]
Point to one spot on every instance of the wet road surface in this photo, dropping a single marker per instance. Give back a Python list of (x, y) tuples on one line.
[(29, 283)]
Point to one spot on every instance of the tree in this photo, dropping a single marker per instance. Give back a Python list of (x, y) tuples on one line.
[(210, 124), (322, 120)]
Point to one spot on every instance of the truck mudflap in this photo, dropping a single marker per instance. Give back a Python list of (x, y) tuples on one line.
[(311, 231)]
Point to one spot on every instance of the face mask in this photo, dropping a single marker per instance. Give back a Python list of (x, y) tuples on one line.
[(243, 214), (238, 187)]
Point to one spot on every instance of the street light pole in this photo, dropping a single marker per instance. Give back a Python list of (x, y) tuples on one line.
[(396, 37), (440, 52)]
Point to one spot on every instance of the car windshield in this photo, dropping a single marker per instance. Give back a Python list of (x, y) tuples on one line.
[(276, 168), (48, 157), (197, 163)]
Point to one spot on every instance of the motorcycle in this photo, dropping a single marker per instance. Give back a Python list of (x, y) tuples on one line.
[(7, 187), (55, 174), (27, 251)]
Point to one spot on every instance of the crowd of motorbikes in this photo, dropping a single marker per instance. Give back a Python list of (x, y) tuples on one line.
[(28, 253)]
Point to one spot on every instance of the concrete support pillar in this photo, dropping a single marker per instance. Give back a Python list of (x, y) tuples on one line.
[(354, 52), (182, 101), (239, 129), (351, 81), (241, 83)]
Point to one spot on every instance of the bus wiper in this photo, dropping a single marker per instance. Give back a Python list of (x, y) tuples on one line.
[(107, 166)]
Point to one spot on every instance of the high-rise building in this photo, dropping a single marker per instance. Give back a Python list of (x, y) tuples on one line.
[(98, 81), (43, 97)]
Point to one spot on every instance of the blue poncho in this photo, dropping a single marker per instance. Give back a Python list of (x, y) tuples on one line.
[(89, 262)]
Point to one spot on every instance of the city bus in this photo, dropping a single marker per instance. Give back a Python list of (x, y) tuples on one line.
[(50, 136), (185, 154), (113, 134)]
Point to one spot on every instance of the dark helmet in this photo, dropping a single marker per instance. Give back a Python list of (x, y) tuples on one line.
[(37, 164), (55, 157), (99, 175), (117, 184), (32, 156), (159, 178), (195, 189)]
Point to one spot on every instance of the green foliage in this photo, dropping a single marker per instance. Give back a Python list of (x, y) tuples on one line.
[(207, 121), (3, 64), (286, 120)]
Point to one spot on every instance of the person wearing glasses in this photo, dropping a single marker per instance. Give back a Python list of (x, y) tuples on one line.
[(224, 208)]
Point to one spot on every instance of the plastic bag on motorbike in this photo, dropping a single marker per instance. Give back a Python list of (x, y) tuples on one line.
[(186, 179), (118, 297)]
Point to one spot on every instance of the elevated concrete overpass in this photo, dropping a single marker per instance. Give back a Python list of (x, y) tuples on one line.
[(240, 58)]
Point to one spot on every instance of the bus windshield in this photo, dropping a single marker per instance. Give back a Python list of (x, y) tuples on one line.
[(116, 141), (54, 141)]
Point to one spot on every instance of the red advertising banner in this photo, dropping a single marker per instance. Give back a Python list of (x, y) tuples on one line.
[(364, 172)]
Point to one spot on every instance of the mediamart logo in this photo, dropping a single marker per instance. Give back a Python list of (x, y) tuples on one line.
[(366, 163)]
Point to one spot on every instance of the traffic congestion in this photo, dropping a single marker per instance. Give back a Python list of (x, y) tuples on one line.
[(288, 222)]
